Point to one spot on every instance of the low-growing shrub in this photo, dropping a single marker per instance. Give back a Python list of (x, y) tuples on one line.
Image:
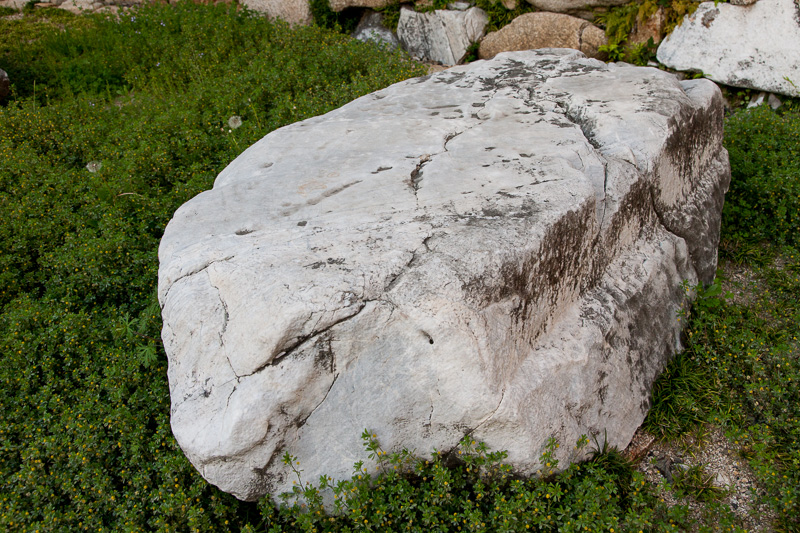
[(470, 489), (741, 370), (763, 203), (620, 21), (114, 123)]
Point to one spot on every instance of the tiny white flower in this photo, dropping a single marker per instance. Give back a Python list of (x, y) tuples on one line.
[(94, 166), (235, 121)]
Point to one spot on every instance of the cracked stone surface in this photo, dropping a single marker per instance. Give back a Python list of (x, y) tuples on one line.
[(495, 250)]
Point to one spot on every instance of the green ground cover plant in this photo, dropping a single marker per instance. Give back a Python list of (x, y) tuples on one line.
[(741, 367), (344, 21), (620, 21), (113, 123)]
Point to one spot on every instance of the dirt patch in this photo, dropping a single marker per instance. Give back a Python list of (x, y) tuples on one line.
[(659, 461)]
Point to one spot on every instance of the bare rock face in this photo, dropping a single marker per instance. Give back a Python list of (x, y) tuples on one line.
[(544, 30), (494, 250), (291, 11), (573, 6), (442, 35), (754, 46)]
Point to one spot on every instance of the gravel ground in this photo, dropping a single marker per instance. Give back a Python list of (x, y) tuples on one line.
[(659, 461)]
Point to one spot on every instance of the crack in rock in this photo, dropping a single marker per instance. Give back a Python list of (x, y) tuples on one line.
[(416, 175), (490, 415), (192, 273), (225, 319), (302, 340), (410, 263), (303, 421), (450, 137)]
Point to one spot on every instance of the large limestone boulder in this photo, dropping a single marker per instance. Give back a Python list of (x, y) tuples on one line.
[(292, 11), (442, 35), (544, 30), (755, 46), (495, 250)]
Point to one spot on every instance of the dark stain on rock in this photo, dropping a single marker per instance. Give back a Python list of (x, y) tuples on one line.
[(492, 212), (537, 279), (709, 16), (635, 210), (448, 77), (692, 133), (324, 358)]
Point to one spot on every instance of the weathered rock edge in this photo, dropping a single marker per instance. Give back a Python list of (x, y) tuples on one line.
[(506, 264), (755, 46)]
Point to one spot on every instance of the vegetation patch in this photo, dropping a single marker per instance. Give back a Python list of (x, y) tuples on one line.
[(343, 22), (620, 21), (114, 123), (741, 366)]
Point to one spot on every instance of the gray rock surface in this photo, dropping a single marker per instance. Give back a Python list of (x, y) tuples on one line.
[(339, 5), (494, 250), (5, 84), (442, 35), (371, 28), (755, 46), (544, 30), (291, 11), (573, 6)]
